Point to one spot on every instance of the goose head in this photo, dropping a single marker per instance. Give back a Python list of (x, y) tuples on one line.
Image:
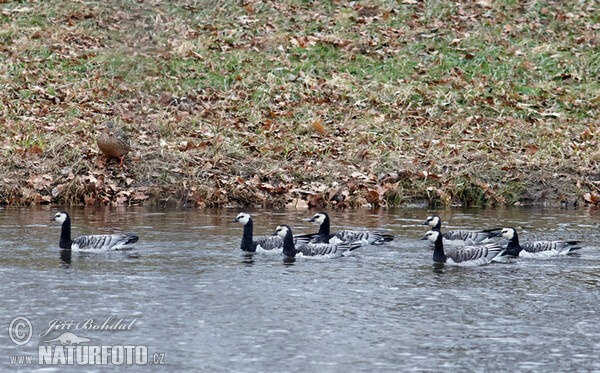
[(508, 233), (282, 231), (431, 236), (432, 220), (243, 218), (60, 217), (319, 217)]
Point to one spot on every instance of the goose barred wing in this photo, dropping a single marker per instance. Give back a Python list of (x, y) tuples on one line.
[(313, 249), (475, 254), (270, 243), (558, 247), (104, 242), (470, 237), (301, 240), (367, 237), (351, 236)]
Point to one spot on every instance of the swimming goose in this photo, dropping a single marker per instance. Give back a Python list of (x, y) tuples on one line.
[(464, 255), (325, 250), (265, 243), (326, 236), (457, 237), (103, 242), (535, 249)]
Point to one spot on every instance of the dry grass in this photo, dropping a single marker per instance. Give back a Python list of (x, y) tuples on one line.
[(295, 103)]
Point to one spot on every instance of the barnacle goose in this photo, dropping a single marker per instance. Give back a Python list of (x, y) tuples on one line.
[(535, 249), (464, 255), (326, 250), (326, 236), (101, 242), (457, 237), (266, 243)]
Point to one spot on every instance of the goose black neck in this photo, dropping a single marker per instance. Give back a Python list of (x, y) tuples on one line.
[(513, 247), (324, 228), (438, 250), (289, 249), (65, 234), (247, 237)]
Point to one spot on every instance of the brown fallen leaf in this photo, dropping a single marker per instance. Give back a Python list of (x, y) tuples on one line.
[(316, 200), (592, 198), (531, 149), (39, 181), (318, 126), (373, 198), (139, 196)]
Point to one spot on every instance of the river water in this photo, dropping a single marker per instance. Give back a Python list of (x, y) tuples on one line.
[(197, 303)]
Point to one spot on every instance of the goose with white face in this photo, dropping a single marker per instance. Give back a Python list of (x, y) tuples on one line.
[(325, 235), (311, 249), (98, 242), (319, 218), (60, 217), (243, 218), (431, 236), (432, 221), (282, 231), (507, 233), (464, 255)]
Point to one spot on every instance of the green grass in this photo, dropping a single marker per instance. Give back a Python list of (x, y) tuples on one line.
[(446, 88)]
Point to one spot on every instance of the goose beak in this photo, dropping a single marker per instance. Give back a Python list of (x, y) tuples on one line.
[(424, 238), (426, 222), (236, 220), (53, 218)]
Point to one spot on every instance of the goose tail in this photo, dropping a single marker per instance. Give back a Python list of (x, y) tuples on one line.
[(130, 238), (386, 238)]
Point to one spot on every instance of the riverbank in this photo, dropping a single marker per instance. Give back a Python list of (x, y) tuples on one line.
[(321, 104)]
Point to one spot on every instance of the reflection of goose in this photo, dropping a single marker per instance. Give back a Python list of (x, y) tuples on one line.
[(65, 258), (326, 236), (456, 237), (464, 255), (265, 243), (102, 242), (535, 249), (326, 250)]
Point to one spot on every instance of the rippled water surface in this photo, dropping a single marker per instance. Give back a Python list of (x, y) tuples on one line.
[(205, 305)]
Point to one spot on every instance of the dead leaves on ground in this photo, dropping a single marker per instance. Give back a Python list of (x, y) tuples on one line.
[(203, 103)]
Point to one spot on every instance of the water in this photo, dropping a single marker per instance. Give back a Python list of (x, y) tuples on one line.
[(197, 299)]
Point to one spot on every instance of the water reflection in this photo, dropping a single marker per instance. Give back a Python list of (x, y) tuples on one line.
[(248, 259), (438, 268), (65, 258), (288, 260)]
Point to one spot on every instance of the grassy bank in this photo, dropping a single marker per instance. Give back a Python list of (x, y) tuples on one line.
[(299, 103)]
